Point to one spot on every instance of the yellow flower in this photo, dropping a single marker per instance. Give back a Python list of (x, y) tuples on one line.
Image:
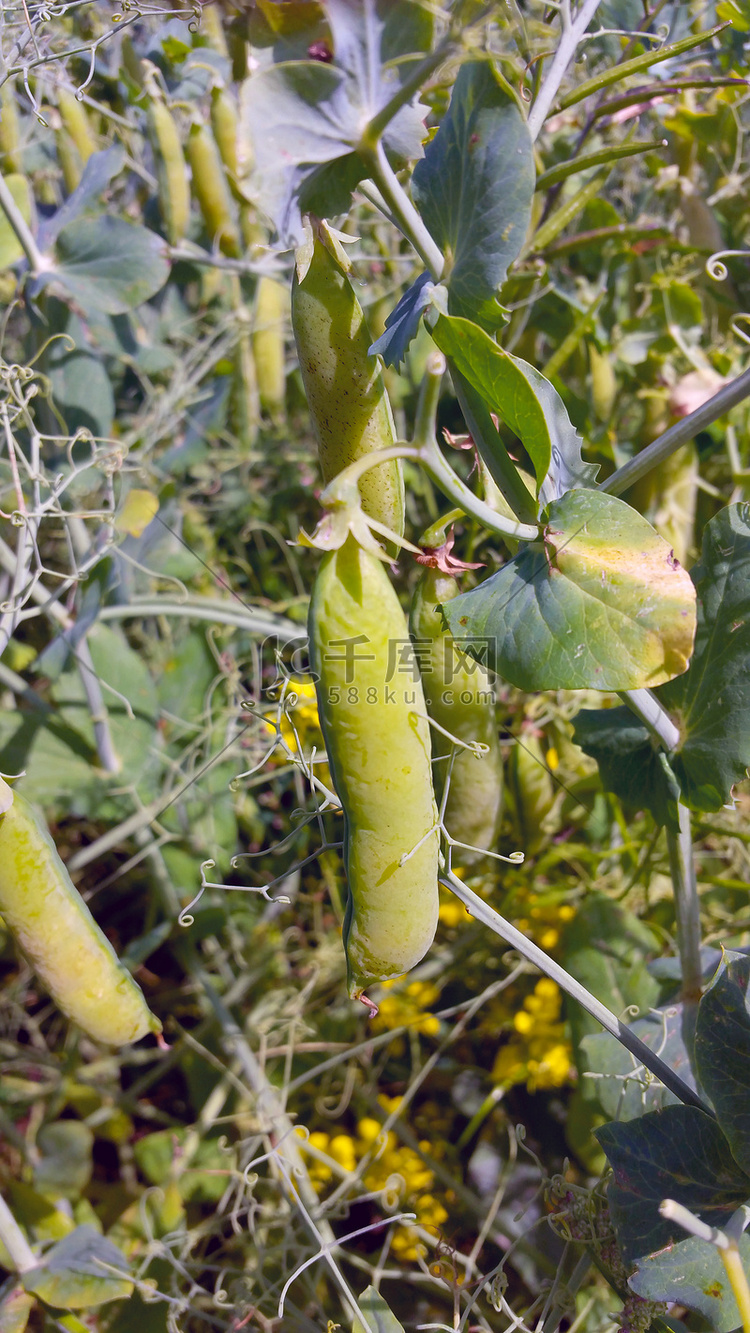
[(405, 1005)]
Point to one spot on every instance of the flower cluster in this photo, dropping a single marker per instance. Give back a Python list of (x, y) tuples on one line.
[(538, 1053), (397, 1173), (407, 1004)]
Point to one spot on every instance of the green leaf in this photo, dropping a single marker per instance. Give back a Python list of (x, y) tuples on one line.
[(525, 401), (722, 1051), (623, 1089), (378, 1314), (107, 264), (692, 1274), (72, 1277), (65, 1162), (474, 188), (711, 702), (602, 606), (630, 765), (305, 118), (204, 1180), (15, 1307), (11, 249), (606, 949), (676, 1153)]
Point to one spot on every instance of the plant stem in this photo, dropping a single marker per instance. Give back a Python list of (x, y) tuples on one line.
[(646, 706), (411, 85), (732, 1261), (37, 261), (533, 954), (14, 1240), (429, 457), (681, 433), (491, 449), (217, 610), (404, 213), (565, 52), (687, 911)]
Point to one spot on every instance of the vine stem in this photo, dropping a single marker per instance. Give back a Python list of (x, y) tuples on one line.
[(404, 213), (567, 46), (687, 911), (681, 433), (647, 708), (609, 1021), (726, 1242), (429, 457), (14, 1240)]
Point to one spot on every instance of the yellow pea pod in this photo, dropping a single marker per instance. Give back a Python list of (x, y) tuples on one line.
[(224, 123), (269, 350), (378, 744), (55, 930), (171, 171), (346, 394), (76, 122), (460, 697), (211, 190), (212, 29), (69, 159), (532, 790), (603, 383), (10, 136)]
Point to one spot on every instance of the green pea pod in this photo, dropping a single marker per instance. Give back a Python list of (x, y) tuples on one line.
[(10, 135), (532, 790), (225, 127), (460, 697), (56, 931), (69, 159), (269, 348), (345, 390), (603, 383), (378, 745), (212, 190), (174, 190), (76, 122)]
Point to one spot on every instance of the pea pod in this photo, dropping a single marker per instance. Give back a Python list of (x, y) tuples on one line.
[(269, 348), (532, 790), (76, 122), (225, 127), (346, 394), (460, 698), (603, 383), (174, 190), (211, 189), (56, 931), (378, 745), (10, 135)]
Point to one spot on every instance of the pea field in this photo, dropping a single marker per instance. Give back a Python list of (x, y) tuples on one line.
[(375, 666)]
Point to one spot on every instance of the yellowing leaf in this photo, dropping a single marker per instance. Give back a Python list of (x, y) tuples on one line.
[(137, 512)]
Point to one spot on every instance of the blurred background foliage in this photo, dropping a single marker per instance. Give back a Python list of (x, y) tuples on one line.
[(152, 686)]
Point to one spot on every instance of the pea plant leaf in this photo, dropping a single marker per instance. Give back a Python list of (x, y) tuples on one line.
[(603, 605), (691, 1273), (378, 1313), (676, 1153), (524, 400), (73, 1274), (711, 702), (474, 188), (305, 118), (722, 1051), (97, 173), (622, 1087), (403, 322), (630, 765), (106, 265)]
